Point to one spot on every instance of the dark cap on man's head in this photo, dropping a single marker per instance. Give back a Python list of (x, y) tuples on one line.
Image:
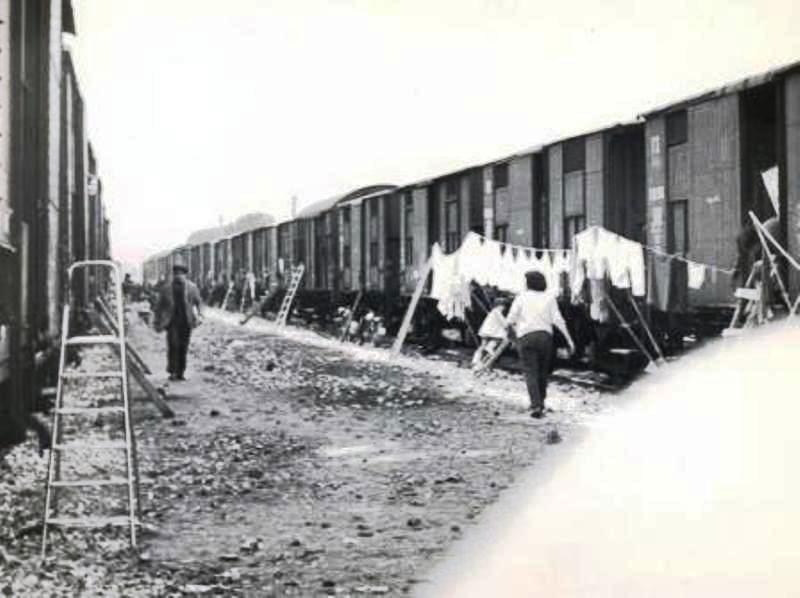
[(179, 266)]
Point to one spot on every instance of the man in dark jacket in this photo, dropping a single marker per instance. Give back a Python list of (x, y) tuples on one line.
[(178, 312)]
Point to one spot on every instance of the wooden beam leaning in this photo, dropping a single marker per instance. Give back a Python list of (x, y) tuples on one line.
[(774, 271), (412, 307), (105, 314), (135, 368)]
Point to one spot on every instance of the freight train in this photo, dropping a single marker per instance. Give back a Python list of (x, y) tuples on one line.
[(52, 210), (680, 178)]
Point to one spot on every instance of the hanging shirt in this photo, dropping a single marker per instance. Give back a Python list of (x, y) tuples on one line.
[(534, 311), (598, 309), (696, 275)]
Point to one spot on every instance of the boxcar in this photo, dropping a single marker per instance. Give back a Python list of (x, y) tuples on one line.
[(705, 156), (597, 179), (51, 204)]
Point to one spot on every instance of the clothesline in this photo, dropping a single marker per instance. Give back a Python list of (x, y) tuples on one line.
[(519, 247), (728, 271)]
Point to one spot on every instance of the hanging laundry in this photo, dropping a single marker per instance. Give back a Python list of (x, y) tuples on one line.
[(494, 260), (604, 254), (508, 279), (618, 267), (456, 299), (635, 258), (562, 261), (658, 287), (679, 286), (585, 244), (577, 280), (472, 262), (696, 275), (444, 271), (598, 308), (626, 266)]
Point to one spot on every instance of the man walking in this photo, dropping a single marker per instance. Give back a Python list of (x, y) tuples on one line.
[(531, 319), (178, 312)]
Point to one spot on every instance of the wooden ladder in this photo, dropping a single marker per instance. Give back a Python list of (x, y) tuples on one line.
[(122, 407), (291, 291)]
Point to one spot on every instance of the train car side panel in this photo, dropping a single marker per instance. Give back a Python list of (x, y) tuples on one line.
[(714, 210), (792, 111), (656, 183), (556, 197), (594, 207), (521, 208)]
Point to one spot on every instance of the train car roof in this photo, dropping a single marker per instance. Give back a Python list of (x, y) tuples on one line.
[(360, 198), (727, 89), (243, 224), (317, 207)]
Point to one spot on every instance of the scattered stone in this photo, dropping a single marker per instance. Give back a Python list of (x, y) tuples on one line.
[(229, 557), (214, 413), (193, 588), (553, 437), (414, 523)]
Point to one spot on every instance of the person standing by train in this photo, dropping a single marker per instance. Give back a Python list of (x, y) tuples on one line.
[(178, 312), (530, 322)]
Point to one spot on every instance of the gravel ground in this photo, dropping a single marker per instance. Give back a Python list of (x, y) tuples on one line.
[(295, 466)]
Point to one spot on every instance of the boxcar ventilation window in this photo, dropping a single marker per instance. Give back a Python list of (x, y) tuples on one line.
[(500, 176), (452, 217), (574, 155), (408, 217), (677, 128)]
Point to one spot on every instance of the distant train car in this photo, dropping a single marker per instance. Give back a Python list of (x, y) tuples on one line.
[(318, 231)]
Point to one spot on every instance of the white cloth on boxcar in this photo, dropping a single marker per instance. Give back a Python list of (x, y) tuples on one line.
[(472, 260), (696, 275)]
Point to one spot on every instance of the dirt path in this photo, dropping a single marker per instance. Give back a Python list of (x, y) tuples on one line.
[(298, 466)]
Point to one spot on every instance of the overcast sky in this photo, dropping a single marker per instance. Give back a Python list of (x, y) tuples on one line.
[(201, 109)]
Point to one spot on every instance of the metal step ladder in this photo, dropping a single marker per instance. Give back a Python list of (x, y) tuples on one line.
[(291, 291), (62, 409)]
